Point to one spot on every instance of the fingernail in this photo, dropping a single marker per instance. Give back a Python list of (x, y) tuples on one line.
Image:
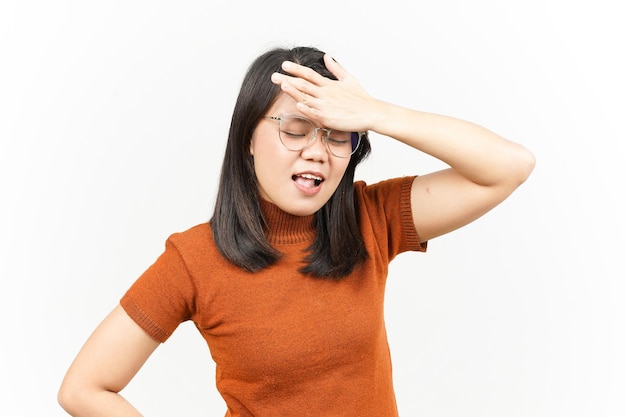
[(287, 65)]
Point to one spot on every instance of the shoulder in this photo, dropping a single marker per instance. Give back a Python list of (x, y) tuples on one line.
[(198, 234), (194, 244), (386, 191)]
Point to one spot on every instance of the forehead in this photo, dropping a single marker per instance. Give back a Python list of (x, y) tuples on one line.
[(283, 105)]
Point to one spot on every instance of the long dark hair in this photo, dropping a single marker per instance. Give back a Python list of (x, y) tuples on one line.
[(238, 224)]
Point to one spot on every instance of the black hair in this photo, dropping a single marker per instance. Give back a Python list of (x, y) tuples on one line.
[(238, 224)]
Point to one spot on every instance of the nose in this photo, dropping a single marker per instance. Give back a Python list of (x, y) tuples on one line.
[(317, 149)]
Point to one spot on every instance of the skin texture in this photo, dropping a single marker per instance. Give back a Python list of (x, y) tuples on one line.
[(483, 170)]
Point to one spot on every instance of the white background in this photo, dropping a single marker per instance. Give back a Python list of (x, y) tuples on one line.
[(113, 119)]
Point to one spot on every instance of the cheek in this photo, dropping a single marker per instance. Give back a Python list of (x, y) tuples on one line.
[(340, 170), (269, 164)]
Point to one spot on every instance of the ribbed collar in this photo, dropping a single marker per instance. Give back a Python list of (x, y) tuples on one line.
[(285, 228)]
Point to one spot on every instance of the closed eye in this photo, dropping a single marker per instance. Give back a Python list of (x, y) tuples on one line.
[(294, 135), (337, 142)]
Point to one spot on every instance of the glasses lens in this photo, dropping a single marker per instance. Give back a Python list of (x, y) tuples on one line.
[(295, 133), (343, 144)]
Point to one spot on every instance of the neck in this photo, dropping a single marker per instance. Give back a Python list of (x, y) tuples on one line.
[(285, 228)]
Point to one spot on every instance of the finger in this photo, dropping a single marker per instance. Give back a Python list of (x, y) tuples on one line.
[(294, 85), (303, 72), (334, 67), (308, 111), (296, 88)]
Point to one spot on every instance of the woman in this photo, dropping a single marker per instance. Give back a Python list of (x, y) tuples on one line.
[(286, 281)]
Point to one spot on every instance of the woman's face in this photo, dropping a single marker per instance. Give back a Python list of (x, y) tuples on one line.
[(291, 179)]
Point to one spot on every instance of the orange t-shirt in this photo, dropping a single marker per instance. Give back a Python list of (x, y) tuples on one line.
[(286, 344)]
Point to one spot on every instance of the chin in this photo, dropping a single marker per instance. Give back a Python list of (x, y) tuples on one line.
[(302, 210)]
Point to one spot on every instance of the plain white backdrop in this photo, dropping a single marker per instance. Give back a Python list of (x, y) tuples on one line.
[(113, 119)]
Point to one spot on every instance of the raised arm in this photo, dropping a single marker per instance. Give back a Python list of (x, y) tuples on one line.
[(484, 167), (110, 358)]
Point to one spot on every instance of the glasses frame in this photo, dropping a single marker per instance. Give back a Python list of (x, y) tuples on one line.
[(325, 136)]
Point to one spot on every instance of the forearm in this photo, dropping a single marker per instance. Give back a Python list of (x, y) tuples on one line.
[(474, 152)]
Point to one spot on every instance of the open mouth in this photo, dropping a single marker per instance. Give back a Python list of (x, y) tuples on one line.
[(307, 180)]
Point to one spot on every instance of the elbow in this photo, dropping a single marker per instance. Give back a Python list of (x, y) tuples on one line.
[(78, 397), (526, 164), (66, 397), (69, 396), (519, 164)]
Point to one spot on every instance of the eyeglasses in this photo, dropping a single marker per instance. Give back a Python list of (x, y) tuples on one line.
[(297, 133)]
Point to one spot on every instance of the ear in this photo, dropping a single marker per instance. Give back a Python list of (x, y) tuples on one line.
[(252, 146)]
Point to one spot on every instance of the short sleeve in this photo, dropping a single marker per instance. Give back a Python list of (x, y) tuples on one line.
[(386, 213), (163, 296)]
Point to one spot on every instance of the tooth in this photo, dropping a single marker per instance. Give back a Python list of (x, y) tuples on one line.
[(311, 177)]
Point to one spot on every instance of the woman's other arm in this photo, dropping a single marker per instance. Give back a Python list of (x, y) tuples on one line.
[(109, 359)]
